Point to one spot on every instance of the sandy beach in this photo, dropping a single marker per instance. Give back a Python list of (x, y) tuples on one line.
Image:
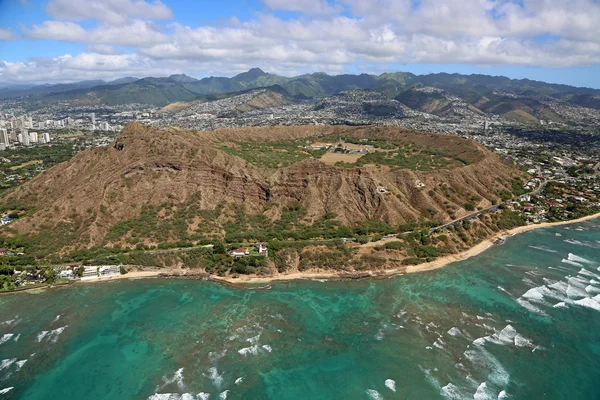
[(438, 263)]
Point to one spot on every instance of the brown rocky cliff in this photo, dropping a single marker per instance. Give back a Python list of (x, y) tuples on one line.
[(102, 186)]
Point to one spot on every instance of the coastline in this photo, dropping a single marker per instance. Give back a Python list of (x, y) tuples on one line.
[(314, 275), (410, 269)]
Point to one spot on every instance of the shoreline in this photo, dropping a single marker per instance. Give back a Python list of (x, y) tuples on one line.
[(410, 269), (312, 275)]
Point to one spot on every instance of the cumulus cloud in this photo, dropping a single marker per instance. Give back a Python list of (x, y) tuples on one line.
[(115, 12), (324, 35), (7, 34)]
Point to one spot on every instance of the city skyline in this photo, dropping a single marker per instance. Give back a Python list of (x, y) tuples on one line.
[(58, 41)]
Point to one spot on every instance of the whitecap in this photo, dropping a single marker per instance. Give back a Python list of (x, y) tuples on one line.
[(216, 355), (16, 339), (6, 390), (252, 350), (439, 343), (503, 395), (223, 395), (535, 294), (561, 304), (176, 379), (588, 302), (557, 234), (571, 262), (483, 392), (7, 362), (57, 318), (203, 396), (6, 337), (239, 380), (543, 248), (171, 396), (574, 257), (592, 289), (454, 331), (374, 394), (40, 336), (213, 375), (451, 391), (267, 347), (522, 341), (587, 273), (530, 307), (390, 384), (20, 364)]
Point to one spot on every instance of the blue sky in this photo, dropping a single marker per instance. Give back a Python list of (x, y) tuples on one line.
[(66, 40)]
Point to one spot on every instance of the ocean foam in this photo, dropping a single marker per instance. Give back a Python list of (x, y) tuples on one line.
[(503, 395), (586, 302), (176, 379), (592, 289), (587, 273), (7, 362), (6, 390), (50, 336), (216, 355), (390, 384), (561, 304), (485, 361), (483, 392), (20, 364), (374, 394), (267, 347), (171, 396), (530, 307), (203, 396), (571, 262), (213, 375), (439, 343), (451, 391), (454, 331), (252, 350), (223, 394), (16, 339), (239, 380), (574, 257), (6, 337), (543, 248)]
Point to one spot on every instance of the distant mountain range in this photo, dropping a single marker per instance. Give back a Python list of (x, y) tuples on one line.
[(521, 99)]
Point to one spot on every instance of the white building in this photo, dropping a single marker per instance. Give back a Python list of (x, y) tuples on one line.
[(33, 137), (4, 137), (45, 137)]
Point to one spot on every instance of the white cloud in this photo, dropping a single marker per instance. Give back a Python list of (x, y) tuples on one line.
[(115, 12), (309, 7), (327, 35), (7, 34), (136, 33)]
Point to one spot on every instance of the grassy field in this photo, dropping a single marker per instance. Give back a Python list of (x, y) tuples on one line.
[(270, 155)]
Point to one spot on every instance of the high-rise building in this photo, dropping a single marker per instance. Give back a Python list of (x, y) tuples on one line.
[(30, 122), (24, 137), (41, 125), (105, 126), (4, 137), (33, 137), (45, 137), (93, 118)]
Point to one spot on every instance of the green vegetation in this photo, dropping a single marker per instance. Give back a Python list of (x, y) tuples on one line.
[(271, 154), (405, 156), (30, 161)]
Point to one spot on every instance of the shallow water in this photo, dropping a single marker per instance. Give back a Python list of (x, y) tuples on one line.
[(520, 321)]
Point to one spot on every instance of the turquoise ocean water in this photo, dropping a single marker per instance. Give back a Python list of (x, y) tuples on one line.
[(520, 321)]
